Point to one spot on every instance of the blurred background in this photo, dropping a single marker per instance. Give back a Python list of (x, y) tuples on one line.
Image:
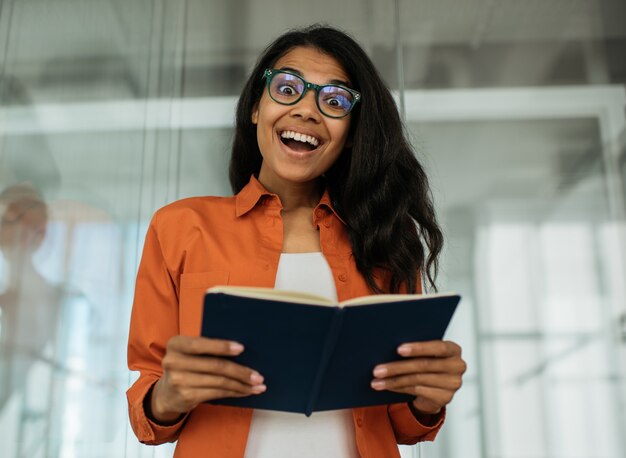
[(110, 109)]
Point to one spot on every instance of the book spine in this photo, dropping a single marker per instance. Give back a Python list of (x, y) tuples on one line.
[(329, 347)]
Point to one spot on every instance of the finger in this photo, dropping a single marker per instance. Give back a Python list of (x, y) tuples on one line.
[(204, 346), (436, 396), (209, 365), (432, 348), (443, 381), (454, 365), (199, 395), (221, 394), (190, 380)]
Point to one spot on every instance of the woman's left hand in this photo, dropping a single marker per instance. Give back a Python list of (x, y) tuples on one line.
[(432, 372)]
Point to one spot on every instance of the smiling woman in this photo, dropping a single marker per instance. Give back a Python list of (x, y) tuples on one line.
[(293, 162), (330, 199)]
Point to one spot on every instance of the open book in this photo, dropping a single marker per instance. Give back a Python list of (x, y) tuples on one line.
[(318, 355)]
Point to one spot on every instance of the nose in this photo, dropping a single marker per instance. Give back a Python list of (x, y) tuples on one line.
[(306, 108)]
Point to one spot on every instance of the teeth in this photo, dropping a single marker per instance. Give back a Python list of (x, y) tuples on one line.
[(300, 137)]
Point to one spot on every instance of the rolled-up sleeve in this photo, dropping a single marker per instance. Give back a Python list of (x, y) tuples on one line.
[(407, 429), (154, 320)]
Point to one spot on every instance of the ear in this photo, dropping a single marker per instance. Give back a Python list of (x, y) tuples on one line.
[(255, 114)]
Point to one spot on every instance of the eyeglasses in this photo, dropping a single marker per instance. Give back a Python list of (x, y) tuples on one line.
[(288, 88)]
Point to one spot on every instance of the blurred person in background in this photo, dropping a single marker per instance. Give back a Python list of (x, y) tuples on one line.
[(29, 304)]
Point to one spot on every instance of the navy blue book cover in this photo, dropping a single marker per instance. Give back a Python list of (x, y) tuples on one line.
[(315, 357)]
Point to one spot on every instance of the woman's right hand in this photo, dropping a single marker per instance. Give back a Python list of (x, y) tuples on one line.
[(195, 371)]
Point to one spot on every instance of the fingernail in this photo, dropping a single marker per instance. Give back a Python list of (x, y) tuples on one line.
[(380, 371), (259, 389), (378, 384), (236, 347), (255, 377), (404, 350)]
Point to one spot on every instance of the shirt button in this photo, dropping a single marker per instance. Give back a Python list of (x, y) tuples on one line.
[(342, 277), (327, 223), (319, 213), (266, 266), (359, 422)]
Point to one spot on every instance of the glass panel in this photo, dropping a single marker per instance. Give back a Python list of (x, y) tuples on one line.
[(525, 186), (109, 111), (483, 43), (74, 192), (525, 208), (224, 38)]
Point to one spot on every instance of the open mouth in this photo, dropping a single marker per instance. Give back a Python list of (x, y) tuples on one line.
[(299, 142)]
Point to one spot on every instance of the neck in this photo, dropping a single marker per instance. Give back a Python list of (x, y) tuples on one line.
[(295, 195), (17, 271)]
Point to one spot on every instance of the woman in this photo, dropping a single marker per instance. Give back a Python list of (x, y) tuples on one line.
[(330, 198), (29, 305)]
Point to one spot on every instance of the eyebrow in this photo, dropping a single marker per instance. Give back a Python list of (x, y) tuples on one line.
[(299, 73)]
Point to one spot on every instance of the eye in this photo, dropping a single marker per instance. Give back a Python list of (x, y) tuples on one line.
[(286, 89), (337, 100)]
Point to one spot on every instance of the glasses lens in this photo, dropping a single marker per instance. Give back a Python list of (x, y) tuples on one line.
[(335, 101), (286, 88)]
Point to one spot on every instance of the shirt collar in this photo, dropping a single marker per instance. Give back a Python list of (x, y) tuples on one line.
[(327, 204), (251, 194)]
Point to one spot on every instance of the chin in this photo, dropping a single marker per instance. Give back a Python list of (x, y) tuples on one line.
[(300, 177)]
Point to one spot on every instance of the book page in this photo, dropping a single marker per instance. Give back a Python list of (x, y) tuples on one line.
[(272, 294), (383, 298)]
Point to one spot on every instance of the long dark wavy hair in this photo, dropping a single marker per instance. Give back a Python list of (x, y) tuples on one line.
[(377, 185)]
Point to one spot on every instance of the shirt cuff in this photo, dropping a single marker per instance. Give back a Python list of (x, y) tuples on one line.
[(148, 431), (408, 429)]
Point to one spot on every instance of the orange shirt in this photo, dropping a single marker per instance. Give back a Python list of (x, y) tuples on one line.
[(197, 243)]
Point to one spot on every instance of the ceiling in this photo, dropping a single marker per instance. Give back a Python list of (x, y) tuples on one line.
[(68, 50)]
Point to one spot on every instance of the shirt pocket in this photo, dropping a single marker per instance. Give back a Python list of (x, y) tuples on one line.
[(192, 288)]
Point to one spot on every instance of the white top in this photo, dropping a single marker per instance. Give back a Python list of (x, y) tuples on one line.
[(285, 435)]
